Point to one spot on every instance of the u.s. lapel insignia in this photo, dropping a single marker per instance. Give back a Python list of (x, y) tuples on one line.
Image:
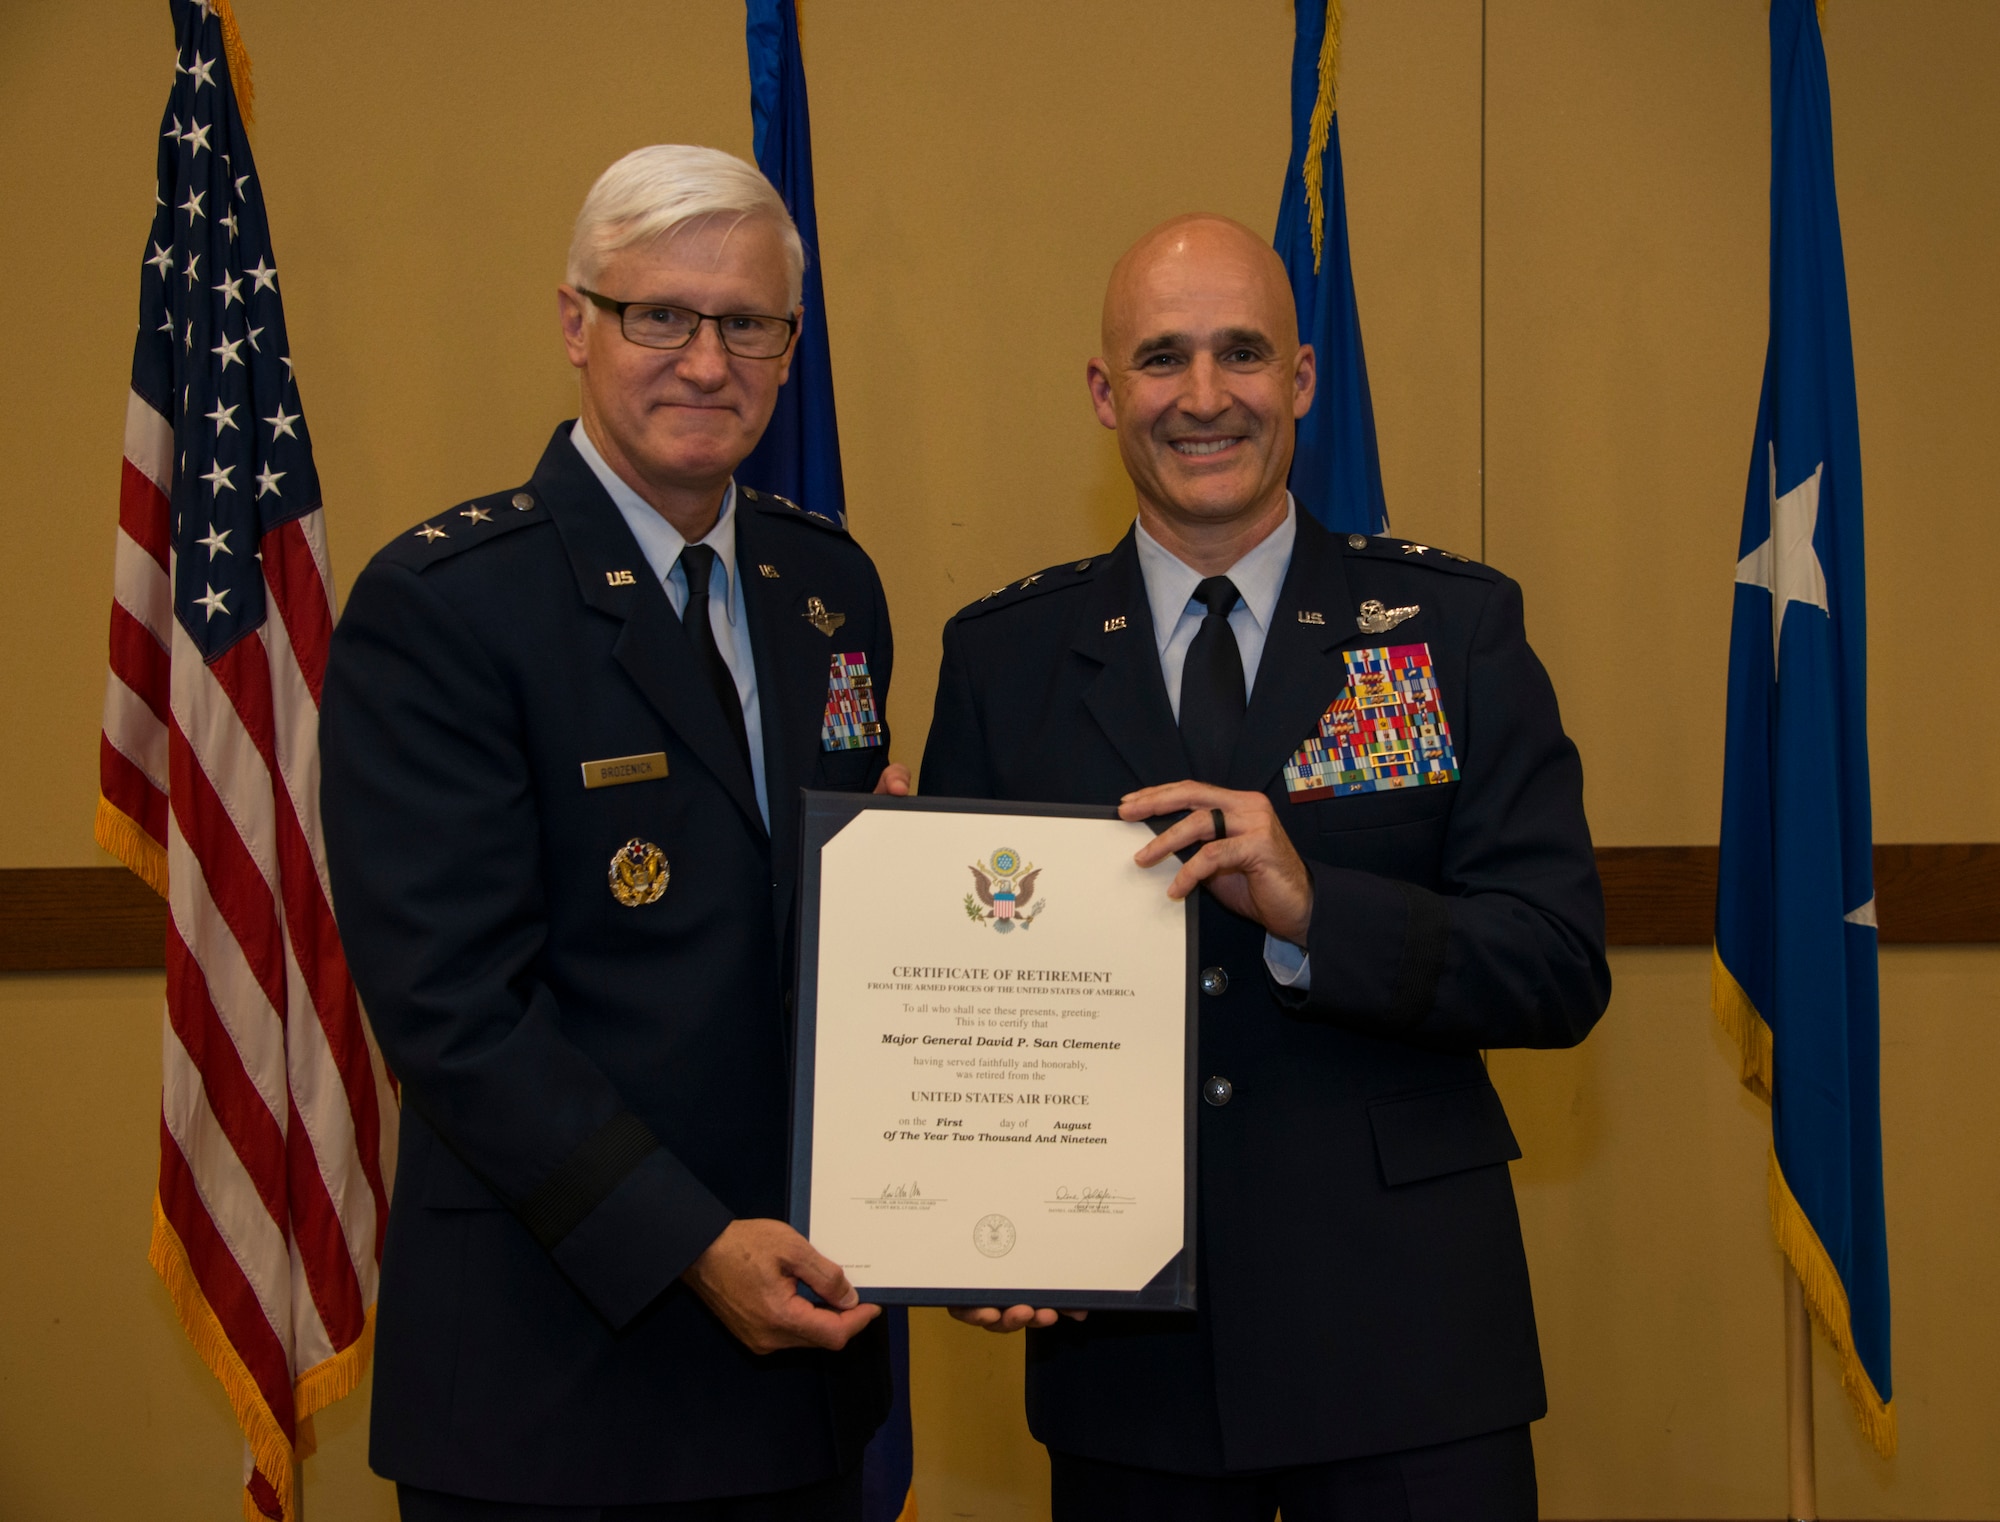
[(851, 721), (1376, 619), (820, 619), (1386, 730), (639, 873), (1113, 625), (1307, 616), (768, 572)]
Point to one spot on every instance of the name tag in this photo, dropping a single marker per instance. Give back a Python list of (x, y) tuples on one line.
[(619, 770)]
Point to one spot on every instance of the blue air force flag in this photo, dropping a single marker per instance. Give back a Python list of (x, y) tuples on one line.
[(799, 455), (1794, 973), (1336, 471)]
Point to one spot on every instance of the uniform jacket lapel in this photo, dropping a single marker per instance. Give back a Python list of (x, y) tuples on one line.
[(1301, 671), (1128, 696), (652, 648), (792, 659)]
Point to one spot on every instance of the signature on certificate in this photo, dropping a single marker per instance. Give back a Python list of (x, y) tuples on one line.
[(900, 1196), (1089, 1199)]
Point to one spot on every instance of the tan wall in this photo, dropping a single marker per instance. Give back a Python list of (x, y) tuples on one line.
[(1558, 211)]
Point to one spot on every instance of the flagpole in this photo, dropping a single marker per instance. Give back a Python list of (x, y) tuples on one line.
[(1803, 1505)]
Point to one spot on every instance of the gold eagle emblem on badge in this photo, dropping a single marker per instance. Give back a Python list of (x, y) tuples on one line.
[(639, 873)]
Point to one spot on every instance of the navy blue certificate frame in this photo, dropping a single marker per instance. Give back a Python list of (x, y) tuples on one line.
[(825, 815)]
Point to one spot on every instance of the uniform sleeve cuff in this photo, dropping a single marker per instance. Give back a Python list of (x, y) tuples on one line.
[(1289, 966), (641, 1237)]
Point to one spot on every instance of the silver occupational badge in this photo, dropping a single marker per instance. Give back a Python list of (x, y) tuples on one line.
[(817, 615), (1376, 619)]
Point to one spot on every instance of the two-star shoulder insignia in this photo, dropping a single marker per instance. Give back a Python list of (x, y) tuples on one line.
[(1055, 578), (467, 526), (790, 511), (1411, 552)]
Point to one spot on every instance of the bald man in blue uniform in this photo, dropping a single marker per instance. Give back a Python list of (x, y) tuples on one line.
[(1351, 742)]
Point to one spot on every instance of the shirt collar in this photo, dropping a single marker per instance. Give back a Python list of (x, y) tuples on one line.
[(659, 540), (1259, 576)]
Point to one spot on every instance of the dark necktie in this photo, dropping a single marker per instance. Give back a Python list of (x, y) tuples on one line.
[(697, 560), (1212, 696)]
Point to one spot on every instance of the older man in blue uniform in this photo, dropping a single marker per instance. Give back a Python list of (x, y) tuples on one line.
[(1353, 740), (564, 730)]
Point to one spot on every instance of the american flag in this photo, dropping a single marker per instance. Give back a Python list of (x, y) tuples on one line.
[(277, 1123)]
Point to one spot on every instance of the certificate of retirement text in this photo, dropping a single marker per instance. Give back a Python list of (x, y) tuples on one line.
[(1000, 1056)]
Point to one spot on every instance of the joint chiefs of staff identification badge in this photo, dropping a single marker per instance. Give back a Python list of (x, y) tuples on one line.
[(1006, 887), (639, 873)]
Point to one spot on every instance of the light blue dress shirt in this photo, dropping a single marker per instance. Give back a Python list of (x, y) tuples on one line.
[(1259, 576), (661, 543)]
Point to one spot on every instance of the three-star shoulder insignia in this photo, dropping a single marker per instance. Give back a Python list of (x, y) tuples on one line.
[(431, 533), (476, 513)]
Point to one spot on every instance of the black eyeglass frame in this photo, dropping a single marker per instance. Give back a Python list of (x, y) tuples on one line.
[(599, 299)]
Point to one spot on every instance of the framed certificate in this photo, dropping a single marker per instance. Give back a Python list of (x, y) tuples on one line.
[(995, 1084)]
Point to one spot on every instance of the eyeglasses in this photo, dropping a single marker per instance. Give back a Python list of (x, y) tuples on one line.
[(654, 325)]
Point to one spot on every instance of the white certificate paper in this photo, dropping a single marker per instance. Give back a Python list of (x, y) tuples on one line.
[(994, 1093)]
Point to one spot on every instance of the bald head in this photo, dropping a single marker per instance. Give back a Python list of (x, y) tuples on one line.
[(1198, 251), (1204, 379)]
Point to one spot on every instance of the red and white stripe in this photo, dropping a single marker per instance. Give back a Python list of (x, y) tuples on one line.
[(277, 1114)]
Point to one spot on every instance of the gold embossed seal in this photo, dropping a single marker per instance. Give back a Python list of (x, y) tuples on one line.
[(639, 873)]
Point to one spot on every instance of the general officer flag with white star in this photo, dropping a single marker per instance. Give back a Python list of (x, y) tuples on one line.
[(1794, 972)]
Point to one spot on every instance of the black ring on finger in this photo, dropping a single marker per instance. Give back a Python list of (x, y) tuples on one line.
[(1221, 828)]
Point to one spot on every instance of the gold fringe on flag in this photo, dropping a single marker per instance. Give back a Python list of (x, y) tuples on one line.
[(313, 1391), (121, 835), (239, 62), (1738, 1017), (1826, 1298), (1322, 126), (269, 1447)]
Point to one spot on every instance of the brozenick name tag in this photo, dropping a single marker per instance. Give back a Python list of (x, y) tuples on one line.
[(622, 769)]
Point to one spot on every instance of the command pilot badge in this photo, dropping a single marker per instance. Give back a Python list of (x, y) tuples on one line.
[(639, 873), (1376, 619), (1006, 888), (1386, 730), (851, 721), (817, 615)]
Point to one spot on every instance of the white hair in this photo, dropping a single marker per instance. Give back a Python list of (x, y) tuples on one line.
[(653, 191)]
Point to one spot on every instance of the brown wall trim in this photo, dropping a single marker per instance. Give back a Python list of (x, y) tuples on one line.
[(72, 919), (1924, 894)]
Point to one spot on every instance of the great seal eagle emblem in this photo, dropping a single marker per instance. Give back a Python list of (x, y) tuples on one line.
[(1003, 893)]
